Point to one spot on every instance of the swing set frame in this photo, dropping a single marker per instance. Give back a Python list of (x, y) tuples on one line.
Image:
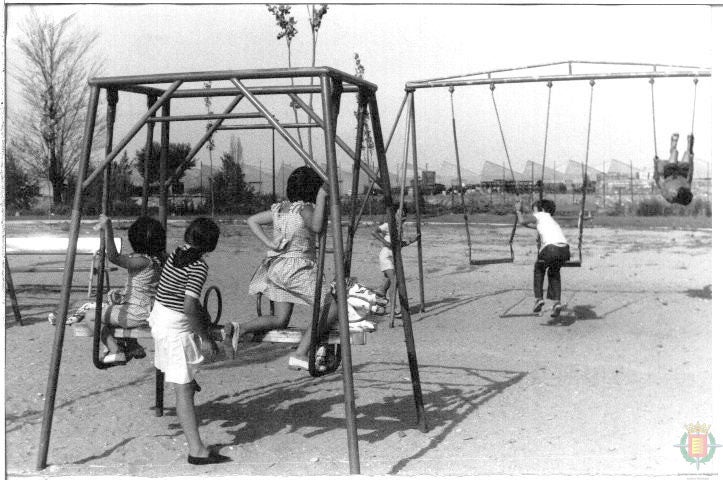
[(160, 90), (503, 76)]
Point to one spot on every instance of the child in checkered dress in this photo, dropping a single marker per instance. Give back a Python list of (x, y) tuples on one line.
[(287, 276)]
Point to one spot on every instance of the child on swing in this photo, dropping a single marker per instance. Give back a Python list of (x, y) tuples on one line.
[(177, 323), (554, 252), (674, 178), (287, 276), (129, 307), (386, 258)]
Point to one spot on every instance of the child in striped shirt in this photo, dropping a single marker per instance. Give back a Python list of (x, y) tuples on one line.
[(177, 324)]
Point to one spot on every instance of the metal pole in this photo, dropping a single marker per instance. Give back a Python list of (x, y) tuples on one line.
[(331, 110), (556, 78), (196, 148), (11, 291), (417, 201), (150, 100), (396, 120), (459, 177), (129, 136), (398, 265), (284, 134), (163, 166), (112, 100), (367, 169), (52, 385), (400, 227), (273, 164), (163, 218), (361, 112)]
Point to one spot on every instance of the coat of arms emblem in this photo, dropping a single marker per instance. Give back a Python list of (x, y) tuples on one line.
[(697, 445)]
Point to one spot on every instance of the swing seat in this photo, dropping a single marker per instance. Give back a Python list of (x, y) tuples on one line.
[(293, 335), (572, 263), (490, 261)]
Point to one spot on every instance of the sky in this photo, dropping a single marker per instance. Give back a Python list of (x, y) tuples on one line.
[(401, 43)]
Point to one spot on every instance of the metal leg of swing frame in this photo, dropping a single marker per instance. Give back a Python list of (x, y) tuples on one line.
[(160, 378), (11, 291)]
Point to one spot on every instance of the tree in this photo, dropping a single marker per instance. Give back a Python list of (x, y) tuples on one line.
[(287, 23), (315, 15), (20, 190), (230, 187), (47, 134), (177, 153)]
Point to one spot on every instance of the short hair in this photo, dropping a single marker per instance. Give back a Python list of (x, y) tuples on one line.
[(148, 236), (202, 233), (545, 205), (684, 197), (303, 185)]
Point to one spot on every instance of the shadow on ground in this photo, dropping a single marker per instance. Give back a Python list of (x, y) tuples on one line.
[(450, 395)]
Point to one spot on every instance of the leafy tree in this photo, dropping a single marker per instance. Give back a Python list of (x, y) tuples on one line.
[(177, 152), (315, 15), (287, 23), (20, 189), (47, 134), (230, 188)]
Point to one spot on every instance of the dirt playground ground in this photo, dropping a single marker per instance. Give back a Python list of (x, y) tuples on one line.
[(608, 392)]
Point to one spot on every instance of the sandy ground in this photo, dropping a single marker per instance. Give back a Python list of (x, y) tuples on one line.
[(504, 392)]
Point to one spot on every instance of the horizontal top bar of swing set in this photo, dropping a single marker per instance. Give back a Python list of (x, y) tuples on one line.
[(553, 78), (229, 92), (568, 63), (256, 74)]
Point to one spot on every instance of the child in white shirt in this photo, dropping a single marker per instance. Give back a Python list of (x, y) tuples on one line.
[(554, 252)]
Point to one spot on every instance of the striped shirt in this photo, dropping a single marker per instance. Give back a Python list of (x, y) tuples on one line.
[(178, 282)]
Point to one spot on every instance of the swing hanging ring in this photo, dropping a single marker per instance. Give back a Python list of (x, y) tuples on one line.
[(549, 84), (492, 87), (651, 81), (451, 89), (592, 83)]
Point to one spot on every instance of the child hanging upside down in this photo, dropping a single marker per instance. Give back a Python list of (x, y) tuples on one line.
[(554, 252), (674, 178)]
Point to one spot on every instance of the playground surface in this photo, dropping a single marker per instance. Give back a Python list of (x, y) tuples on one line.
[(606, 392)]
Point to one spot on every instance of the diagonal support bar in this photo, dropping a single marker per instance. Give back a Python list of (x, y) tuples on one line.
[(282, 131), (132, 133), (196, 148), (347, 149)]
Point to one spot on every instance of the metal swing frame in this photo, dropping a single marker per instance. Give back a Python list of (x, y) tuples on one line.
[(514, 75), (160, 90)]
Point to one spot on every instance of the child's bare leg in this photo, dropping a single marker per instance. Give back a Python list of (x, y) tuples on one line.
[(106, 330), (302, 350), (263, 323), (384, 287), (186, 411)]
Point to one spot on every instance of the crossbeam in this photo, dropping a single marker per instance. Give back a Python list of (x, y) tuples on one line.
[(554, 78)]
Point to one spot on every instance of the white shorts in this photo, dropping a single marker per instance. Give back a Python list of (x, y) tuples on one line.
[(178, 350), (386, 259)]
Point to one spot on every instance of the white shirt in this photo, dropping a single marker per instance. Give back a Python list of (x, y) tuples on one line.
[(384, 229), (549, 231)]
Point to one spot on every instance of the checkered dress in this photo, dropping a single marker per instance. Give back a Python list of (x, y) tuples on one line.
[(289, 275), (130, 307)]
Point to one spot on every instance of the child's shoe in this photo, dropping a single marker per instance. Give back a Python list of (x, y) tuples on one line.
[(297, 363), (52, 318), (539, 303), (135, 350), (556, 309), (114, 357), (381, 300)]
